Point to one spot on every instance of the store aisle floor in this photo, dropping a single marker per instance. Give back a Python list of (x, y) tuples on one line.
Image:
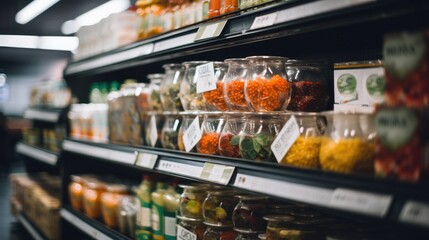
[(9, 226)]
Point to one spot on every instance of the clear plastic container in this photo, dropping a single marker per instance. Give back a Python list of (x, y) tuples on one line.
[(154, 87), (192, 199), (230, 136), (234, 82), (249, 212), (170, 87), (131, 117), (309, 85), (210, 128), (218, 207), (188, 88), (170, 131), (116, 133), (267, 88), (214, 99)]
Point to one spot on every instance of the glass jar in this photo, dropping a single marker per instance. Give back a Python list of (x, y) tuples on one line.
[(142, 12), (246, 235), (92, 198), (188, 88), (214, 8), (152, 18), (219, 233), (218, 207), (228, 6), (192, 199), (195, 226), (187, 119), (230, 136), (278, 227), (114, 117), (259, 132), (75, 189), (267, 88), (142, 101), (309, 85), (170, 87), (131, 117), (154, 124), (210, 132), (234, 84), (304, 152), (110, 203), (249, 212), (214, 99), (127, 215), (154, 87), (345, 148), (170, 131)]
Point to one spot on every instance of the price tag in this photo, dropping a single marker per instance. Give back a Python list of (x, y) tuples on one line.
[(415, 213), (185, 234), (361, 202), (192, 135), (210, 31), (145, 160), (153, 131), (206, 79), (217, 173), (285, 139), (264, 21), (180, 168)]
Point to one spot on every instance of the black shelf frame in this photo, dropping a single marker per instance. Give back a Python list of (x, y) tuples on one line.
[(39, 154)]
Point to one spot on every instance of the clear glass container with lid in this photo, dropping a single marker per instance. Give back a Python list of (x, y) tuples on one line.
[(259, 132), (192, 199), (210, 128), (188, 87), (114, 117), (170, 130), (230, 136), (214, 99), (218, 207), (110, 200), (345, 147), (153, 127), (267, 87), (249, 212), (219, 233), (309, 85), (234, 82), (170, 87), (194, 226), (187, 119)]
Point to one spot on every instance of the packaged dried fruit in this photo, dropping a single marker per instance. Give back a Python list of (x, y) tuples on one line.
[(234, 84)]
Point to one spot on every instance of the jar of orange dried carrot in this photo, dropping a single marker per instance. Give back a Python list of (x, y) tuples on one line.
[(211, 128)]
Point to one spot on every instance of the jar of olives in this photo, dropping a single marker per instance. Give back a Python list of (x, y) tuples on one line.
[(218, 207)]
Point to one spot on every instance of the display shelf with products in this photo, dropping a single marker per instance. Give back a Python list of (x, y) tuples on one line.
[(43, 114), (39, 154), (26, 223)]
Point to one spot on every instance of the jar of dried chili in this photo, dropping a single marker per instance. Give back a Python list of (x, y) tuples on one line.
[(211, 128), (309, 85)]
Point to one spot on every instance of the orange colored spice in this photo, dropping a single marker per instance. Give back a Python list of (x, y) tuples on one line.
[(235, 91), (268, 95), (208, 144), (215, 97)]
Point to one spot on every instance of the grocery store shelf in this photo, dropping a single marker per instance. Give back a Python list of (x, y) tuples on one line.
[(91, 227), (272, 21), (357, 195), (46, 115), (32, 230), (36, 153)]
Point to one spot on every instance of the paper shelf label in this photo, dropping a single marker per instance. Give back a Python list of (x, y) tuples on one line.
[(285, 139), (264, 21), (415, 213), (185, 234), (180, 168), (146, 160), (361, 202), (206, 79), (210, 31), (192, 135), (217, 173)]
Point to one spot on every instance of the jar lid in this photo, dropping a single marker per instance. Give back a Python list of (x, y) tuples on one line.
[(246, 231), (212, 225), (296, 62), (186, 219), (251, 197), (221, 192), (301, 213), (278, 218), (359, 64)]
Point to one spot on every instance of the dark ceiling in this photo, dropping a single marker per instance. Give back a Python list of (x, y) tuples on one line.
[(46, 24)]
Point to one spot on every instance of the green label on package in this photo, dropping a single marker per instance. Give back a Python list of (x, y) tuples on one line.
[(157, 221), (347, 84), (375, 85)]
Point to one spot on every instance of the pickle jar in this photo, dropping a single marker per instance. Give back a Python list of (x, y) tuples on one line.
[(345, 148), (233, 87), (259, 132), (267, 87), (170, 87), (154, 88), (75, 190), (92, 198), (188, 87), (187, 119), (210, 132), (228, 6), (309, 85), (230, 136), (304, 152), (170, 131), (154, 124), (219, 233), (110, 200), (192, 199), (218, 207), (193, 227), (249, 212), (214, 99), (246, 235), (278, 227)]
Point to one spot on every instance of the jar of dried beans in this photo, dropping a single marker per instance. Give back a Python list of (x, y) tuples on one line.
[(267, 88), (234, 84), (309, 85), (230, 136), (210, 129)]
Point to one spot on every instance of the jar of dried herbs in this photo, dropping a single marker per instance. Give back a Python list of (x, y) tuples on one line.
[(170, 131)]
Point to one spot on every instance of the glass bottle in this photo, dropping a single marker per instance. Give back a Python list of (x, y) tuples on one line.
[(234, 84), (278, 227), (144, 213), (158, 224), (170, 87), (230, 136), (267, 88), (170, 131), (210, 129), (188, 88), (214, 99)]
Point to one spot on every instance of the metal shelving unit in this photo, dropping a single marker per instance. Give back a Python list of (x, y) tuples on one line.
[(36, 153)]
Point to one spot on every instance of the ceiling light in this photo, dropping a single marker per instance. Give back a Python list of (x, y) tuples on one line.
[(33, 9), (59, 43), (95, 15)]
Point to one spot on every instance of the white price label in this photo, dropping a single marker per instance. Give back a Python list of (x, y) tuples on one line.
[(153, 131), (145, 160), (180, 168), (361, 202), (192, 135), (217, 173), (210, 31), (264, 21), (206, 79), (285, 139), (185, 234), (415, 213)]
